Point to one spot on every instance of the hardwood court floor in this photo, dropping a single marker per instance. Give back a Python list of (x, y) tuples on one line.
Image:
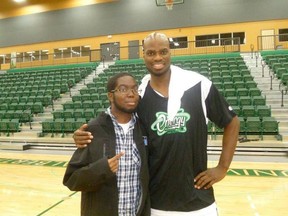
[(31, 184)]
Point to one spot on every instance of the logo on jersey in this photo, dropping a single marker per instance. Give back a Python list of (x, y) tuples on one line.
[(163, 126)]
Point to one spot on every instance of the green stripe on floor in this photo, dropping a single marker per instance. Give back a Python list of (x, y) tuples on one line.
[(231, 172)]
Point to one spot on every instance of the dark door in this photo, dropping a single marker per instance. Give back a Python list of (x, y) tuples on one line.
[(110, 51), (133, 49)]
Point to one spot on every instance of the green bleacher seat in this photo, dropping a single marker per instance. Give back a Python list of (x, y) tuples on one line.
[(225, 73), (230, 92), (13, 126), (97, 104), (280, 71), (248, 78), (248, 111), (69, 105), (237, 78), (233, 101), (58, 126), (47, 100), (37, 107), (94, 96), (284, 79), (87, 104), (270, 125), (78, 113), (216, 78), (237, 110), (77, 105), (106, 103), (91, 85), (4, 125), (4, 107), (228, 85), (26, 116), (57, 114), (68, 113), (242, 92), (92, 90), (76, 98), (98, 111), (64, 88), (239, 84), (251, 84), (89, 114), (2, 114), (13, 106), (55, 94), (68, 125), (254, 92), (84, 90), (242, 129), (226, 79), (86, 97), (9, 114), (79, 122), (245, 100), (258, 100), (103, 96), (254, 126), (219, 85), (21, 106), (263, 111)]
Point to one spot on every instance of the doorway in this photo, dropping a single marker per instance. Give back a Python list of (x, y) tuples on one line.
[(133, 49), (268, 40), (110, 51)]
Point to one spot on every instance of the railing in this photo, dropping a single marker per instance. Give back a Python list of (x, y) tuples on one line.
[(272, 42), (211, 46)]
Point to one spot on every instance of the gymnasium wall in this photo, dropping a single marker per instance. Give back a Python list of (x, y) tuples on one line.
[(131, 16), (251, 29)]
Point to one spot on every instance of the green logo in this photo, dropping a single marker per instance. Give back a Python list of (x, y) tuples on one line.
[(163, 126)]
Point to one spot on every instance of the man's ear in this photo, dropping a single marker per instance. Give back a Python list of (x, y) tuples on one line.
[(110, 96)]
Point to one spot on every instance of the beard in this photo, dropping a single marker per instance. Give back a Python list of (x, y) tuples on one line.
[(124, 109)]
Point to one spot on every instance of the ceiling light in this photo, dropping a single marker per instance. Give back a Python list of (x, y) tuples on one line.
[(19, 1)]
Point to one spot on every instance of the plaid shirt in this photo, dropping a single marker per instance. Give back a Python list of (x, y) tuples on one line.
[(128, 182)]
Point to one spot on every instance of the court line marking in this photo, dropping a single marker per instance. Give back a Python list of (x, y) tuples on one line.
[(56, 204), (252, 205)]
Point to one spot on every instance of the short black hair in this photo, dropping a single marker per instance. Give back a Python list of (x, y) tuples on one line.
[(112, 82)]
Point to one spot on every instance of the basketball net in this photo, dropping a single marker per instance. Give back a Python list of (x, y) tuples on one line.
[(169, 4)]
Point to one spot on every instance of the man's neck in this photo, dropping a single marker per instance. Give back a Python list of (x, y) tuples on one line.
[(161, 84), (122, 118)]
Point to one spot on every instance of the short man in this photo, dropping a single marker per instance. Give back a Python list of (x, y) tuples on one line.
[(112, 171), (174, 109)]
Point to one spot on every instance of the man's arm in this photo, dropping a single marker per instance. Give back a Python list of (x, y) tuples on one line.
[(209, 177), (82, 137)]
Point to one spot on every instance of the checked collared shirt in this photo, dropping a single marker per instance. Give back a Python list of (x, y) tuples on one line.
[(128, 182)]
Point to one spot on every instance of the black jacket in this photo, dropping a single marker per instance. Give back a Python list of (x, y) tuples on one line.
[(88, 171)]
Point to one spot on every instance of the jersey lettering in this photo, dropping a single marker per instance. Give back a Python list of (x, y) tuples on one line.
[(163, 126)]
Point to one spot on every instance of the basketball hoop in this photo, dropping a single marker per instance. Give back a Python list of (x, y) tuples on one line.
[(169, 3)]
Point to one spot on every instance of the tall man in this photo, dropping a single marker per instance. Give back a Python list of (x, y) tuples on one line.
[(112, 171), (175, 107)]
